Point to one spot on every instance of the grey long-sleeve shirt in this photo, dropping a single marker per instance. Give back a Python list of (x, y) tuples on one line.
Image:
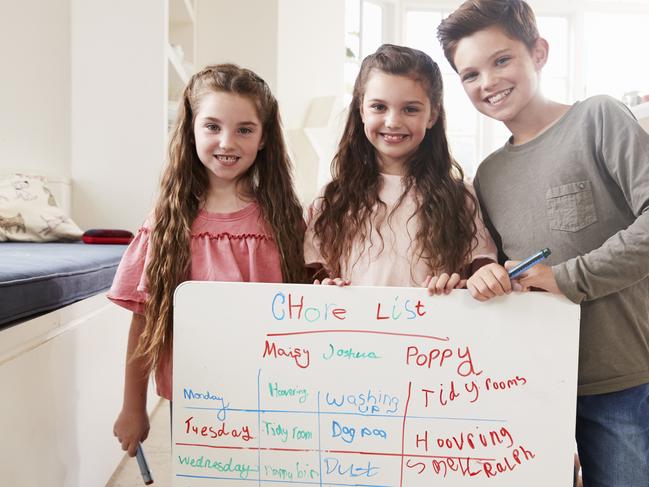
[(582, 189)]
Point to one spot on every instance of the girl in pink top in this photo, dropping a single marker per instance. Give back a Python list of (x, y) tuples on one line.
[(397, 211), (227, 211)]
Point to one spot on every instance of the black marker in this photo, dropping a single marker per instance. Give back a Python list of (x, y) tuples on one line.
[(529, 262), (144, 467)]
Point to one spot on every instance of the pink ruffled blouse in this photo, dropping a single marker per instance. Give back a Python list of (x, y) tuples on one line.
[(232, 247)]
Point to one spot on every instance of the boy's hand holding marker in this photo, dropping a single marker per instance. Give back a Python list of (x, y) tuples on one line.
[(495, 280)]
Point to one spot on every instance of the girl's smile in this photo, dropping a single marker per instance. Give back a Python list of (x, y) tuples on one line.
[(396, 112), (228, 135), (227, 159), (394, 138)]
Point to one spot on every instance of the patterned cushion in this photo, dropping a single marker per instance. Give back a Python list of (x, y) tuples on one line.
[(29, 213)]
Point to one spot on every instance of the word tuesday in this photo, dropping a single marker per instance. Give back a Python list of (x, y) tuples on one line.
[(290, 307)]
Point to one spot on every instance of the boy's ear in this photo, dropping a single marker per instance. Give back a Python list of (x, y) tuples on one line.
[(540, 52)]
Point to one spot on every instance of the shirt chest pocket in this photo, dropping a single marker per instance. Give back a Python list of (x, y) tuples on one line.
[(570, 207)]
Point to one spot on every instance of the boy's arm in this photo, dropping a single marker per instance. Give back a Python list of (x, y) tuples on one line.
[(490, 279), (502, 257), (623, 259)]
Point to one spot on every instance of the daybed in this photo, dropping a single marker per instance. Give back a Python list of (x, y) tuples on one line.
[(62, 346)]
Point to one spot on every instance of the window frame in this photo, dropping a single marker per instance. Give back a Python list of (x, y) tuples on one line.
[(394, 18)]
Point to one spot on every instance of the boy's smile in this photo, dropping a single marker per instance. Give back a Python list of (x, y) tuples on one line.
[(500, 96), (500, 75)]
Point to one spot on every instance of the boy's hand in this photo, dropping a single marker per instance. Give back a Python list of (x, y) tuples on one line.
[(539, 276), (336, 281), (443, 284), (490, 281)]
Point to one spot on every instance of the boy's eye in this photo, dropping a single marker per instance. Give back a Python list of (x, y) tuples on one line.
[(502, 60)]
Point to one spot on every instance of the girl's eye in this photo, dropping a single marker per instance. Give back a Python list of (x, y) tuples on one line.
[(411, 109), (212, 127), (245, 130), (377, 107)]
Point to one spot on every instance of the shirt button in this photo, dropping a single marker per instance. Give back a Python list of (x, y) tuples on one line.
[(582, 185)]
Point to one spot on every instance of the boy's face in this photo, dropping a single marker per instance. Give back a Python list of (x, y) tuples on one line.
[(500, 74)]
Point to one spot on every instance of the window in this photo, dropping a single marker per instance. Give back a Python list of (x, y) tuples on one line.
[(614, 61), (595, 47), (364, 21)]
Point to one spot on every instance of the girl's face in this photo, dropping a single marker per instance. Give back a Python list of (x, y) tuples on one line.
[(228, 135), (396, 112)]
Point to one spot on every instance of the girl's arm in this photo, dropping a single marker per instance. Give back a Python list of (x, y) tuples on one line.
[(132, 424)]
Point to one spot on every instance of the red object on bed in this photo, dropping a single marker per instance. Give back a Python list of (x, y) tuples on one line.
[(105, 236)]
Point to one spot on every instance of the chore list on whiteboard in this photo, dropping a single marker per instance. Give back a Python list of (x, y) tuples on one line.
[(304, 385)]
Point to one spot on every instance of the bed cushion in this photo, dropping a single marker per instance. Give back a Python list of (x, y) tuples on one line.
[(39, 277), (29, 213)]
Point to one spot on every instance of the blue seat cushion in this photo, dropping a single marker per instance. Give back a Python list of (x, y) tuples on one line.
[(39, 277)]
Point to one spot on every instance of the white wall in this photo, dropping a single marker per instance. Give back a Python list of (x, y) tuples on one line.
[(311, 51), (34, 86), (117, 111), (242, 32), (297, 46), (83, 89)]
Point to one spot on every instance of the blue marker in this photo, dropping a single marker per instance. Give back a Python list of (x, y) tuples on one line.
[(529, 262), (144, 467)]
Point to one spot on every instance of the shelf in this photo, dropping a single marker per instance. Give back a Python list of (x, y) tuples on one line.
[(177, 65), (181, 12), (180, 51)]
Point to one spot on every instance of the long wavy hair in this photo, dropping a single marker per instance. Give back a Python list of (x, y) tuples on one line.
[(184, 187), (446, 209)]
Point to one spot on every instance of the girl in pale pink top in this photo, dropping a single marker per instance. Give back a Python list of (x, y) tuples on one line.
[(397, 211), (227, 211)]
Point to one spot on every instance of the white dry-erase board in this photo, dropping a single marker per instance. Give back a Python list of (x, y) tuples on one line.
[(371, 386)]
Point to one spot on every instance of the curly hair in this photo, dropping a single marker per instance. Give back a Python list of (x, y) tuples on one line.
[(184, 187), (447, 228)]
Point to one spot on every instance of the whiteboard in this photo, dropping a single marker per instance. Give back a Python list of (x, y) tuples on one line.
[(371, 386)]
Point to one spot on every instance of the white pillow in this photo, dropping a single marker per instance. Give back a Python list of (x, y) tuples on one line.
[(29, 213)]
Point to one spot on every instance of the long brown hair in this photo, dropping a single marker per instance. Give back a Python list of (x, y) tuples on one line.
[(447, 227), (185, 184)]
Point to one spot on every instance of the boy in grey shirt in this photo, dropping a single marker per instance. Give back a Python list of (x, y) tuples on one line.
[(574, 179)]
